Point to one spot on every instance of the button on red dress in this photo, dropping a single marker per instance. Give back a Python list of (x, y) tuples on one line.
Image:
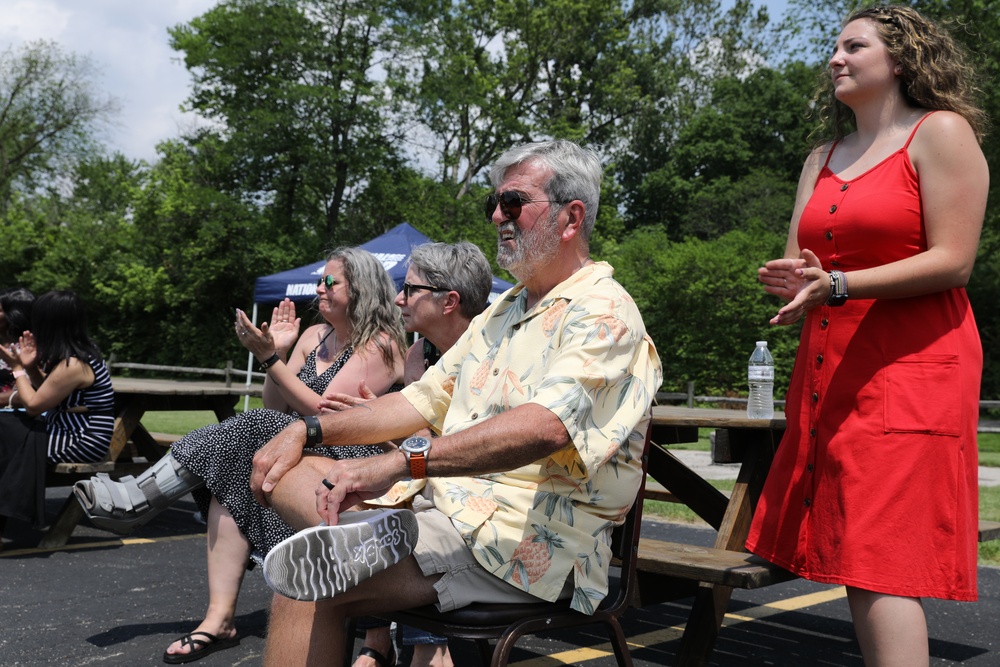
[(875, 484)]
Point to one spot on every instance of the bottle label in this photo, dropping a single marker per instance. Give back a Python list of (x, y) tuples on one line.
[(760, 374)]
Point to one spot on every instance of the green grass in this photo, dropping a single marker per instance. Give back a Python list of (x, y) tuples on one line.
[(989, 449), (182, 422)]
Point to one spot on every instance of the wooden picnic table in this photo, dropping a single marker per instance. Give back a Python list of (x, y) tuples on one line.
[(738, 439), (132, 447)]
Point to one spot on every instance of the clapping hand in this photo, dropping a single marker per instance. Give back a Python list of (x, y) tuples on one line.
[(9, 355), (284, 326), (23, 354), (28, 349), (797, 281)]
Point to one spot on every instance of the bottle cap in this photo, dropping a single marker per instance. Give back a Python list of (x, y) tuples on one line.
[(762, 342)]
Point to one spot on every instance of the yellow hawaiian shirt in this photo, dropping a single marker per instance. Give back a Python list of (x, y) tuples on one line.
[(583, 353)]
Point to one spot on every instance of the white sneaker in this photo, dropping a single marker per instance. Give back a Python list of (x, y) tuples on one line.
[(320, 562)]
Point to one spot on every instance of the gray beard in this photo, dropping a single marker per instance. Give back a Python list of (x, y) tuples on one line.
[(532, 250)]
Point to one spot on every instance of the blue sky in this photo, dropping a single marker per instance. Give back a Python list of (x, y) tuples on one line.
[(127, 42)]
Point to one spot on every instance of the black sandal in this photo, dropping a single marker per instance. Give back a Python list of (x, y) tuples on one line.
[(199, 647), (379, 659)]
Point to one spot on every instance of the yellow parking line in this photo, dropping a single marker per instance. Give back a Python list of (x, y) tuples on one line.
[(664, 635), (125, 541)]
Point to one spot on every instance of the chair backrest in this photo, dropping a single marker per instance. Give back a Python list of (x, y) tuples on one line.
[(625, 540)]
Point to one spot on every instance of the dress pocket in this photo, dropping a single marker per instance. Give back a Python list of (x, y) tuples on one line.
[(923, 394)]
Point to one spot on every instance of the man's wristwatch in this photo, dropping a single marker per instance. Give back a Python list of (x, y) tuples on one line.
[(416, 450)]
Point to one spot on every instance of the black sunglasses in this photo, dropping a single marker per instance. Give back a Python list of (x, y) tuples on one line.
[(510, 203), (327, 280), (408, 288)]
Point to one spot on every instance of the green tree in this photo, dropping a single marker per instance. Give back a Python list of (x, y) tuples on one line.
[(49, 111), (294, 87), (732, 164), (703, 307), (197, 251)]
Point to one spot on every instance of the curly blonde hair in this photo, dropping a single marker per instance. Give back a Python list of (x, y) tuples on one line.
[(935, 74)]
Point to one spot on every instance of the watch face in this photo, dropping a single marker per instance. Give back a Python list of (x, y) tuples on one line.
[(416, 445)]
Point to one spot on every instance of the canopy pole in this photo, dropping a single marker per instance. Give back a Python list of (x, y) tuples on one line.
[(246, 396)]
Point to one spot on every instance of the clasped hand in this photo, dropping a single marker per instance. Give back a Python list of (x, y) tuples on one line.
[(801, 282)]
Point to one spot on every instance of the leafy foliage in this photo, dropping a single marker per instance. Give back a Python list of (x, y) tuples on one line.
[(49, 110), (703, 306)]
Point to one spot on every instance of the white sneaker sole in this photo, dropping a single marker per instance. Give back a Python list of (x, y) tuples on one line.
[(321, 562)]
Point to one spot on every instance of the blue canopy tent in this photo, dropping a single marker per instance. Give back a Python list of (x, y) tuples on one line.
[(299, 284), (392, 249)]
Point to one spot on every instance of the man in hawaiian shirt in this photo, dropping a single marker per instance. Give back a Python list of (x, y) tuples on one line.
[(541, 410)]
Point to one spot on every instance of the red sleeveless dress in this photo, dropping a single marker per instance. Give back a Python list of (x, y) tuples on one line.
[(875, 484)]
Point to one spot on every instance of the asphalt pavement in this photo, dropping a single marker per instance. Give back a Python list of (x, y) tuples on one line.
[(104, 600)]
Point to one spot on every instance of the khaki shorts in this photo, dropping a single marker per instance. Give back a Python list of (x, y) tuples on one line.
[(441, 550)]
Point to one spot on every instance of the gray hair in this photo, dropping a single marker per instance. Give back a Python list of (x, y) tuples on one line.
[(576, 173), (372, 310), (461, 267)]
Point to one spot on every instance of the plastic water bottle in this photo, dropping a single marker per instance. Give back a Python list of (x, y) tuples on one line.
[(760, 375)]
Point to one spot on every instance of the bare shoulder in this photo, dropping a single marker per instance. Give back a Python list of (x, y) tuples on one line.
[(314, 334), (75, 371), (943, 130), (377, 343)]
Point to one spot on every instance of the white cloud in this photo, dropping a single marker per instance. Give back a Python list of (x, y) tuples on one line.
[(128, 44)]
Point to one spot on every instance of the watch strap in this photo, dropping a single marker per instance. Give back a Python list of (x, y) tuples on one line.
[(418, 465), (838, 289), (270, 361), (314, 432)]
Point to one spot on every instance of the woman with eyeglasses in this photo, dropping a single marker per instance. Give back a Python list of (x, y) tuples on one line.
[(875, 484), (446, 286), (359, 342), (58, 372)]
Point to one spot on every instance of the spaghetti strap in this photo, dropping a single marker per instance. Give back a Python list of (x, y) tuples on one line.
[(829, 154), (917, 127), (323, 339)]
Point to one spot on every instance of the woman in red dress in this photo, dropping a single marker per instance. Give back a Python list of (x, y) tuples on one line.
[(875, 485)]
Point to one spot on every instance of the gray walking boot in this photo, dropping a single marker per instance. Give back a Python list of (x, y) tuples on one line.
[(124, 505)]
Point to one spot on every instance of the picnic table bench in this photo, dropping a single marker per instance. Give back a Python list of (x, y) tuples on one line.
[(133, 447)]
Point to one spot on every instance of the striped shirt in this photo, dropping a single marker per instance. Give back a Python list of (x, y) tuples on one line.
[(83, 437)]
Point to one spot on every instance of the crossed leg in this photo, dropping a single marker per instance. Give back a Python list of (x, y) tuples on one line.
[(313, 633)]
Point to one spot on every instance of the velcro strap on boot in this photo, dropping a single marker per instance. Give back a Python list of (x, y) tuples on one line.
[(119, 497), (152, 492)]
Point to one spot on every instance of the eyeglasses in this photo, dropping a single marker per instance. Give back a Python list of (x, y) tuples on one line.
[(510, 203), (327, 280), (408, 288)]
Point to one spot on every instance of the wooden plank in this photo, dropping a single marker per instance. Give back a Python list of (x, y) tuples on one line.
[(989, 530), (164, 439), (81, 468), (656, 491), (670, 415), (691, 488), (705, 564)]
